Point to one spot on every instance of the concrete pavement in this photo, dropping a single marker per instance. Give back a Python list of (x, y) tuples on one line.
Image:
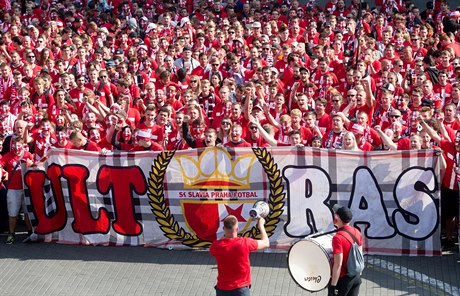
[(55, 269)]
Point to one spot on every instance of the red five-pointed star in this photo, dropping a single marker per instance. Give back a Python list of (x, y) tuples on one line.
[(235, 212)]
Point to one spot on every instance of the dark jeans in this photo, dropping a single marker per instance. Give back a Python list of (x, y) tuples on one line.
[(349, 286), (237, 292)]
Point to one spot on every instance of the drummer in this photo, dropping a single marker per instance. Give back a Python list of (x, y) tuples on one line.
[(341, 284), (232, 256)]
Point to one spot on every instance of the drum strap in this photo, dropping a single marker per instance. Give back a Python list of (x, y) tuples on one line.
[(351, 235)]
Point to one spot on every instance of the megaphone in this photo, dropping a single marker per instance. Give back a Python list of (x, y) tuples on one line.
[(259, 209)]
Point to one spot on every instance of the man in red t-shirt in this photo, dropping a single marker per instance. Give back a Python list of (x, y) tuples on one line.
[(80, 142), (449, 186), (236, 139), (10, 163), (232, 256), (341, 284)]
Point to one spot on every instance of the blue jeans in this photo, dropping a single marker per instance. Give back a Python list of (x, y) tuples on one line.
[(236, 292)]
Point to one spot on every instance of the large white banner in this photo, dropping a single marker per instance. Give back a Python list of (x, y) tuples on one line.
[(178, 199)]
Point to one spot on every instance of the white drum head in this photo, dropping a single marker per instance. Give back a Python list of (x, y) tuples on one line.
[(310, 265)]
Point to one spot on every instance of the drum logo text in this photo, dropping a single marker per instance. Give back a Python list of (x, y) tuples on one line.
[(316, 279)]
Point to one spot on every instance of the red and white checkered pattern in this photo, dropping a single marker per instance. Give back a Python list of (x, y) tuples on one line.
[(340, 166)]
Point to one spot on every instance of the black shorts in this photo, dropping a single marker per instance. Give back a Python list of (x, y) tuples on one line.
[(449, 203)]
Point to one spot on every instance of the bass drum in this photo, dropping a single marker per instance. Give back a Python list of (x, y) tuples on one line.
[(310, 262)]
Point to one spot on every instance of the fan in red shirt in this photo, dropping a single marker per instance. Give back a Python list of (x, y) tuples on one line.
[(44, 139), (235, 137), (62, 138), (450, 118), (175, 138), (77, 93), (80, 142), (323, 120), (10, 162), (199, 138), (449, 188), (162, 126), (340, 283), (40, 98), (254, 137), (61, 106), (94, 135), (145, 143), (358, 132), (232, 256)]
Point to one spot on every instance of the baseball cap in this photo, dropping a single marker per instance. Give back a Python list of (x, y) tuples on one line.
[(110, 63), (132, 23), (144, 135), (143, 47), (427, 103), (304, 69), (274, 70), (257, 107), (104, 30), (150, 27), (357, 129), (343, 212), (454, 14), (184, 20)]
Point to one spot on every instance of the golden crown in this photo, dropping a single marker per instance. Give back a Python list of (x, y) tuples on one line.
[(215, 169)]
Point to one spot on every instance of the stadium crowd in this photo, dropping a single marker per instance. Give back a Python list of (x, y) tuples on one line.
[(177, 74)]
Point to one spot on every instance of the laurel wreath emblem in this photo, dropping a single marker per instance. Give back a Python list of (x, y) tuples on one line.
[(276, 197), (168, 223)]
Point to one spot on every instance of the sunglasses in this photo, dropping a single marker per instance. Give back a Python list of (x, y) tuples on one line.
[(253, 128), (193, 81), (395, 116), (225, 123)]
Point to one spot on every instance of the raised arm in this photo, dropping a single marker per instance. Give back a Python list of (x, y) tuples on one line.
[(263, 242), (370, 99), (386, 140), (186, 134), (433, 134), (267, 137), (269, 116)]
